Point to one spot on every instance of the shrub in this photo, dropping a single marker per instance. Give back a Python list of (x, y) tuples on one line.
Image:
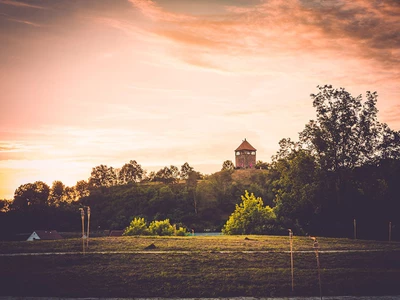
[(161, 228), (138, 226), (251, 217), (181, 231)]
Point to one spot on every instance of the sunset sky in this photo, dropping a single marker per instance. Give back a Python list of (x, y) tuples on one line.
[(90, 82)]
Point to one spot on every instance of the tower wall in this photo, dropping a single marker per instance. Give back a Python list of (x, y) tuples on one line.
[(245, 159)]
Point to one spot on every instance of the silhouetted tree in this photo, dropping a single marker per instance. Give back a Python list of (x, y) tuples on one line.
[(31, 195), (130, 172), (102, 176), (56, 193), (82, 189), (228, 165), (185, 170)]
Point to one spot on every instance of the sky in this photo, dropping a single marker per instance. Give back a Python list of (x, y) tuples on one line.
[(164, 82)]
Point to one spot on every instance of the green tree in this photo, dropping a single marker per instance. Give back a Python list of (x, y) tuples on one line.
[(186, 169), (130, 172), (137, 226), (56, 193), (346, 134), (167, 175), (297, 187), (31, 195), (102, 176), (191, 185), (82, 189), (228, 165), (69, 194), (250, 217), (174, 173)]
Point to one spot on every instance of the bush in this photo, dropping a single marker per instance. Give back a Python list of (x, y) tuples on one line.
[(161, 228), (138, 226), (251, 217), (181, 231)]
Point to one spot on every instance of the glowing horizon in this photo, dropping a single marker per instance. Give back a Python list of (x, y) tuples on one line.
[(90, 82)]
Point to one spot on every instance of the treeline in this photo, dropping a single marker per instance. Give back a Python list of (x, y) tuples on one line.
[(345, 165)]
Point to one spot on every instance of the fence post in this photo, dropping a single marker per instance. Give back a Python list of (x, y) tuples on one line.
[(291, 256)]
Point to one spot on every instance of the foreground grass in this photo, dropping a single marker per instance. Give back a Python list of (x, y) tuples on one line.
[(203, 271)]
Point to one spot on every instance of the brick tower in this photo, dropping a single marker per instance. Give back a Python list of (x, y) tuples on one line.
[(245, 156)]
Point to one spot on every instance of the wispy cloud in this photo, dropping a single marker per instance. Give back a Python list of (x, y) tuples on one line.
[(21, 4), (25, 22), (153, 89), (12, 146), (156, 13)]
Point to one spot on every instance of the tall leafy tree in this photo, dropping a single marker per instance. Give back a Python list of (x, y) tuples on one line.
[(346, 134), (56, 193), (297, 187), (31, 195), (167, 175), (130, 172), (186, 169), (82, 189), (174, 173), (102, 176)]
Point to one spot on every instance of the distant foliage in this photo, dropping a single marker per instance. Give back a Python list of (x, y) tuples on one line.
[(167, 175), (138, 226), (250, 217), (262, 165)]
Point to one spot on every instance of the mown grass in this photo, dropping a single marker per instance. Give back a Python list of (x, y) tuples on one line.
[(196, 243), (202, 271)]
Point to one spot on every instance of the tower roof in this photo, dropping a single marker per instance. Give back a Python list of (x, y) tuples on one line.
[(245, 145)]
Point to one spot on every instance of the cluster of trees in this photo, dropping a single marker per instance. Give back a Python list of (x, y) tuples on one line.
[(345, 165)]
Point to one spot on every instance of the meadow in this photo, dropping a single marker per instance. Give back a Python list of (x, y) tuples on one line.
[(199, 266)]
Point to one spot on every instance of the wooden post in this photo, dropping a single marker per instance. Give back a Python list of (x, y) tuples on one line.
[(390, 232), (88, 223), (355, 229), (316, 246), (83, 229), (291, 256)]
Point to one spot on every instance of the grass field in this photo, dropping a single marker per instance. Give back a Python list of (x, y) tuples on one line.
[(211, 266)]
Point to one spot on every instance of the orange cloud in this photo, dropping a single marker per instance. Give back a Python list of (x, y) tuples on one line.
[(156, 13), (356, 29)]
